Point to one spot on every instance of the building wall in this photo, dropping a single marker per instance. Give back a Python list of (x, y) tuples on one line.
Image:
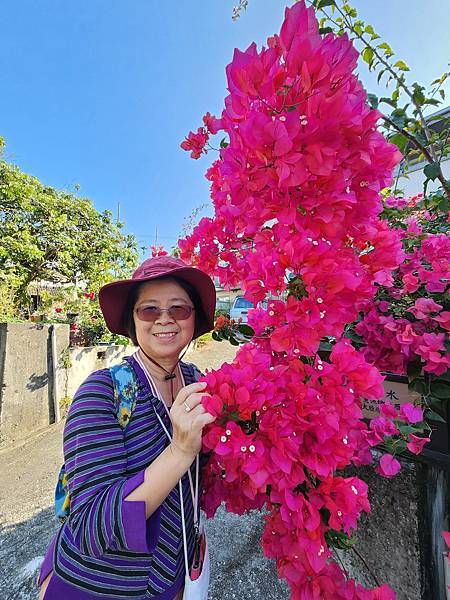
[(413, 184)]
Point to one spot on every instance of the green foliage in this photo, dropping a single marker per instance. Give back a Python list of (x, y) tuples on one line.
[(54, 236), (234, 332), (204, 339)]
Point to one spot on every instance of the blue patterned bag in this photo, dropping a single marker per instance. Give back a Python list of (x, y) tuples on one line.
[(126, 387)]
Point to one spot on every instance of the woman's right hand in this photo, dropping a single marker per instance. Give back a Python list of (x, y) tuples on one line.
[(188, 424)]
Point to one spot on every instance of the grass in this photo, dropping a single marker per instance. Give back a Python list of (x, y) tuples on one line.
[(204, 339)]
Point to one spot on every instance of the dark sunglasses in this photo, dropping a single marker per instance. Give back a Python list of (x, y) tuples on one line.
[(180, 312)]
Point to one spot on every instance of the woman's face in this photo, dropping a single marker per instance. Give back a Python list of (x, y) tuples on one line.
[(166, 337)]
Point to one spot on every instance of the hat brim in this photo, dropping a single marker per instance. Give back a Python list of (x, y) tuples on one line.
[(113, 298)]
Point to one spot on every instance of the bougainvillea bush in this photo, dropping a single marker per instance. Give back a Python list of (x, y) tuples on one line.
[(405, 328), (296, 192)]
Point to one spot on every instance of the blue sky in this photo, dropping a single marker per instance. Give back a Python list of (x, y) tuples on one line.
[(100, 93)]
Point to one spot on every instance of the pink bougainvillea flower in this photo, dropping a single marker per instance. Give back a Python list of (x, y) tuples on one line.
[(411, 283), (196, 142), (212, 124), (423, 307), (388, 466), (416, 444), (411, 413), (158, 251), (443, 319)]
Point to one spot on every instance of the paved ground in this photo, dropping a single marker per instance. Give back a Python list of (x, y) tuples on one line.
[(28, 473)]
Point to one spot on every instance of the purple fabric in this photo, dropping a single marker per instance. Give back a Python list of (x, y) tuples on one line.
[(60, 590), (138, 538)]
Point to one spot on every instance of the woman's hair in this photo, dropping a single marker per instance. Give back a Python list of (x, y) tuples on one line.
[(128, 318)]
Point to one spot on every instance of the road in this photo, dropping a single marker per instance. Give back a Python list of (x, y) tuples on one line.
[(28, 474)]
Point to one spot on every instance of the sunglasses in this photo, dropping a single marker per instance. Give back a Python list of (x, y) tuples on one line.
[(180, 312)]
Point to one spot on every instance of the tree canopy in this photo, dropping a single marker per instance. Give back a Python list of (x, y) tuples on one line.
[(53, 235)]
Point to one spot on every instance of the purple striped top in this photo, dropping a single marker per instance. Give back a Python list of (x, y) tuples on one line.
[(107, 547)]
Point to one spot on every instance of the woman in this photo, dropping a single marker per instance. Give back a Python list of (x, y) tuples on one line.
[(123, 538)]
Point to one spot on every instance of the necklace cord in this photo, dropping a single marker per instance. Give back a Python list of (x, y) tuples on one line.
[(170, 375)]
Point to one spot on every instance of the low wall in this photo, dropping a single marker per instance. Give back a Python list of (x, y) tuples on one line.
[(26, 401), (83, 361), (35, 378)]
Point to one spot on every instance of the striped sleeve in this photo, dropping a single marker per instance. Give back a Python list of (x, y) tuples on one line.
[(96, 460)]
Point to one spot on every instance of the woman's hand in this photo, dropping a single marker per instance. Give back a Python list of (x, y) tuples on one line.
[(188, 424)]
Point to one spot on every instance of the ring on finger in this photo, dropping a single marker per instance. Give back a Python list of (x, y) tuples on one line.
[(187, 407)]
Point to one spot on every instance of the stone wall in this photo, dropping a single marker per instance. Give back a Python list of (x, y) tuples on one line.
[(400, 542)]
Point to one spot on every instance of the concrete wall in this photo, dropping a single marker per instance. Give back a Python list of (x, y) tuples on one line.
[(31, 385), (84, 361), (25, 363)]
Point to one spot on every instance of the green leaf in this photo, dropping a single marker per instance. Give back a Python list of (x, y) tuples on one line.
[(431, 415), (445, 376), (369, 29), (400, 141), (215, 336), (323, 3), (325, 30), (367, 56), (386, 48), (406, 429), (409, 315), (246, 330), (432, 171), (418, 95), (400, 64), (233, 341), (224, 143), (418, 386), (413, 369), (399, 117), (389, 101), (380, 75), (440, 390), (373, 100)]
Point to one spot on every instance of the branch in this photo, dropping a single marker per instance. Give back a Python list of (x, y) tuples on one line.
[(422, 148), (391, 70)]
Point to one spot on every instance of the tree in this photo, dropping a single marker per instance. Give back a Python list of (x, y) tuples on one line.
[(52, 235)]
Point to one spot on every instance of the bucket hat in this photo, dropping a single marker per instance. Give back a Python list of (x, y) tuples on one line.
[(113, 296)]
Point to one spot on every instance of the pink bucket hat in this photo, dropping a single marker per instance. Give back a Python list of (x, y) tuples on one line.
[(113, 297)]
